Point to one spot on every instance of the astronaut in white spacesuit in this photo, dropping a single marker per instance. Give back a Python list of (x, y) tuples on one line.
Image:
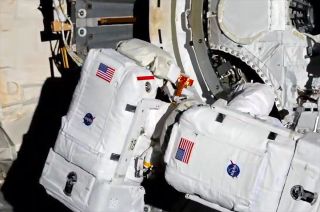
[(104, 149)]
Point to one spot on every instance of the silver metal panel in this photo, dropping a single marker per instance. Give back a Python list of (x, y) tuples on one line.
[(96, 36)]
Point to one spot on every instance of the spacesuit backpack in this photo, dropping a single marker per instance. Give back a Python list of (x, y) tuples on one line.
[(102, 128), (221, 156)]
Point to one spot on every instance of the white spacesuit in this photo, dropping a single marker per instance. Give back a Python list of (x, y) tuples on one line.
[(228, 156)]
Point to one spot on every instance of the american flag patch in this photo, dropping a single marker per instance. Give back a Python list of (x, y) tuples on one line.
[(184, 150), (105, 72)]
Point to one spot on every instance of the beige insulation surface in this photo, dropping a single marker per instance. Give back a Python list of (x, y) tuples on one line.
[(23, 64)]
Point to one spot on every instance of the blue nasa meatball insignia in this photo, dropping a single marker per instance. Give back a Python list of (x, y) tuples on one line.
[(233, 170), (88, 119)]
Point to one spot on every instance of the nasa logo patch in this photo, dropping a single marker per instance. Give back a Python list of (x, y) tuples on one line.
[(88, 119), (233, 170)]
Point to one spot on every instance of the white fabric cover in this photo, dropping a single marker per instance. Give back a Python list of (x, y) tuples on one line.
[(244, 21), (254, 98), (85, 146), (263, 163), (236, 19), (146, 54), (117, 198), (89, 194), (57, 168), (304, 171), (307, 122), (278, 14)]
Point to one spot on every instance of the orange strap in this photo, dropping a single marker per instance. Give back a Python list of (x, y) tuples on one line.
[(183, 82)]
